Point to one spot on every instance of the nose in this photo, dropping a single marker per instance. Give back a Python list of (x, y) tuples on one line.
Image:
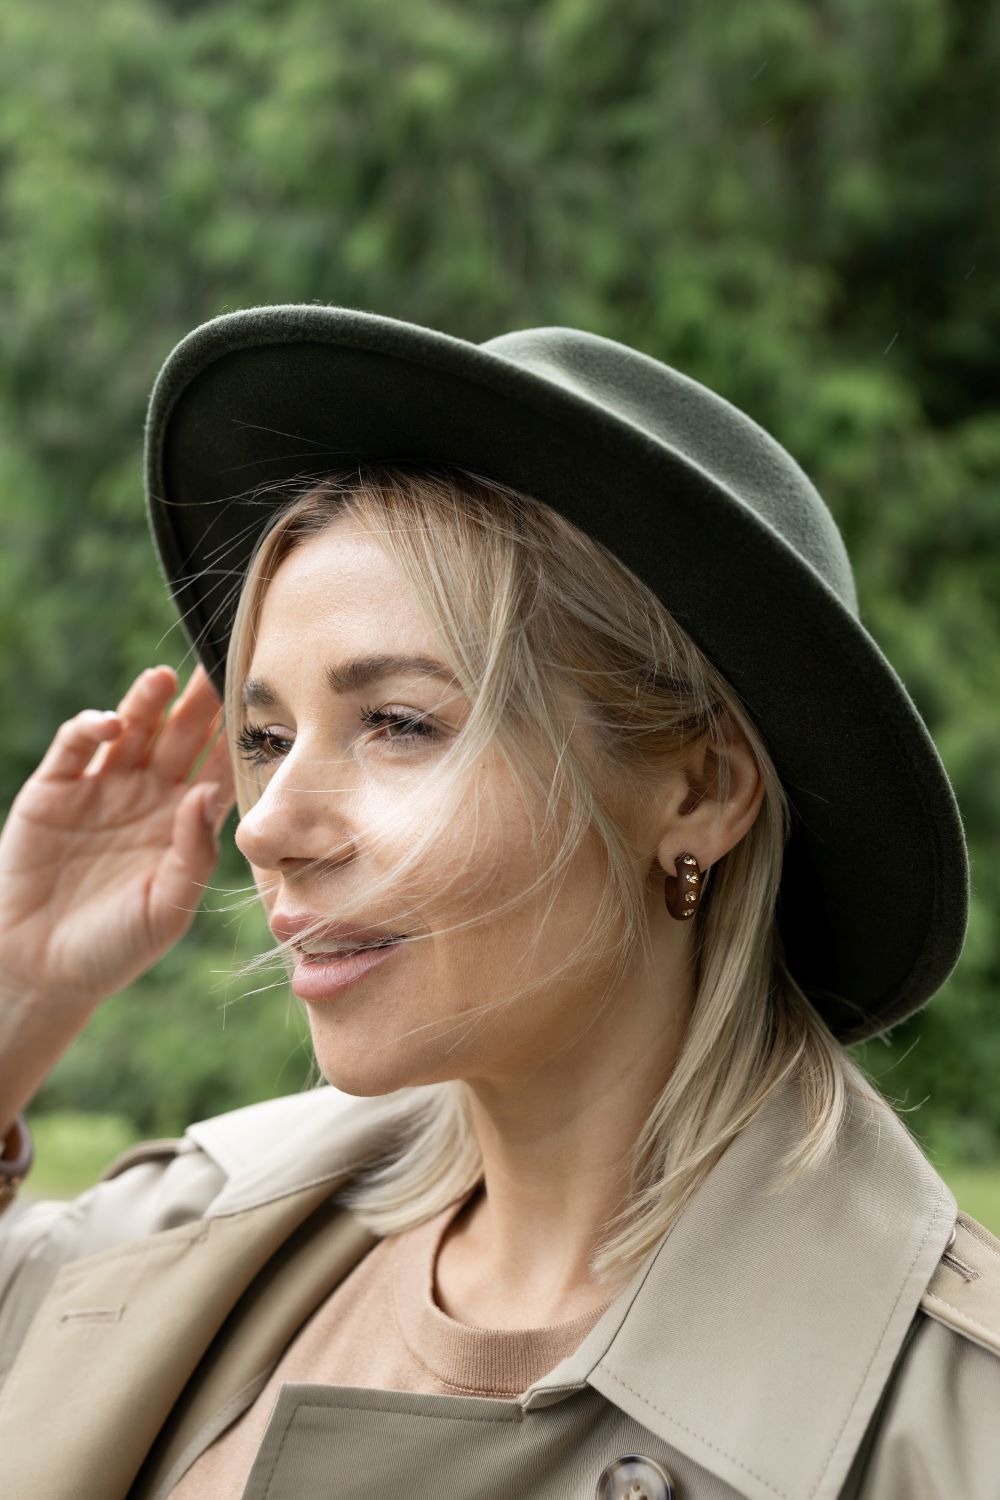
[(298, 817)]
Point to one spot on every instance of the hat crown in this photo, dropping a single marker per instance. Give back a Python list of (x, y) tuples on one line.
[(700, 427)]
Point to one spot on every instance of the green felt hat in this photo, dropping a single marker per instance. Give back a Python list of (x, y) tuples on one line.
[(693, 495)]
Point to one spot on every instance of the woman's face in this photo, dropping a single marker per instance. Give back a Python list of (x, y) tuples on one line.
[(332, 781)]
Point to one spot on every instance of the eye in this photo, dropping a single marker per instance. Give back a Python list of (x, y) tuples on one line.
[(413, 726), (257, 744)]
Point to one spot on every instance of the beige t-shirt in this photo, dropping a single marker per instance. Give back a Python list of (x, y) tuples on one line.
[(382, 1328)]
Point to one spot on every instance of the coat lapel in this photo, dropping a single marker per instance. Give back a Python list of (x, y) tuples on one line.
[(305, 1270), (115, 1341)]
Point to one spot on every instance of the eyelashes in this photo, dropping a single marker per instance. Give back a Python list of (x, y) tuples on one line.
[(256, 744)]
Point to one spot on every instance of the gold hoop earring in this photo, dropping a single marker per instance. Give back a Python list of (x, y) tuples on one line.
[(682, 892)]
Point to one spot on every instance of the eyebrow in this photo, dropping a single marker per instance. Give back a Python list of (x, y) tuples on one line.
[(352, 675)]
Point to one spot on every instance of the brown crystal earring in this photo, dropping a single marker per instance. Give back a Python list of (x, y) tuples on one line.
[(683, 890)]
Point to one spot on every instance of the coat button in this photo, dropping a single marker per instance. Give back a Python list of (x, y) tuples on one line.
[(635, 1478)]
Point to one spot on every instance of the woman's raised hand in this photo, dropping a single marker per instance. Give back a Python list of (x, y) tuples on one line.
[(107, 848)]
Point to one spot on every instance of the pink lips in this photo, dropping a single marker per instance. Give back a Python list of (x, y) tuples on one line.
[(287, 925), (321, 978)]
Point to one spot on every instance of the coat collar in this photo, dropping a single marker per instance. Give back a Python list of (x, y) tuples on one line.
[(758, 1336)]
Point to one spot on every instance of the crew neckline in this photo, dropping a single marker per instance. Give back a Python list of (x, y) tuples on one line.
[(463, 1356)]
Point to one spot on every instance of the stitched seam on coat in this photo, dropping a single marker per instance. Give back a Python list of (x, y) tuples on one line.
[(220, 1420), (965, 1271), (327, 1405), (992, 1333), (93, 1315), (432, 1416), (15, 1373), (122, 1252), (694, 1433)]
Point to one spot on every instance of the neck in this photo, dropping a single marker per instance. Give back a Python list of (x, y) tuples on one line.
[(556, 1150)]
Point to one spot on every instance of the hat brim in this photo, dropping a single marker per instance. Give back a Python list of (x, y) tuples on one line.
[(875, 890)]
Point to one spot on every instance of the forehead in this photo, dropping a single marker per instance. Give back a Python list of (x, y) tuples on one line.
[(341, 568), (342, 551), (339, 589)]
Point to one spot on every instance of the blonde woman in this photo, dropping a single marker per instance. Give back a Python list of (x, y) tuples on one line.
[(590, 824)]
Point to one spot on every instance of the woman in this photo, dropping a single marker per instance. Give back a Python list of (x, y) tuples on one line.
[(545, 689)]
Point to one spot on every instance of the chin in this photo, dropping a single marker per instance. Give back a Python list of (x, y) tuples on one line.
[(367, 1076)]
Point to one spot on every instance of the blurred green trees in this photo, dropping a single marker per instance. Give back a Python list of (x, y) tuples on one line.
[(793, 202)]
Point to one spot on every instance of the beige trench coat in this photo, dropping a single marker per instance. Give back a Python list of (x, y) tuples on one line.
[(822, 1343)]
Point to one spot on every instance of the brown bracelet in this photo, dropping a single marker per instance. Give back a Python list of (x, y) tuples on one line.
[(16, 1159)]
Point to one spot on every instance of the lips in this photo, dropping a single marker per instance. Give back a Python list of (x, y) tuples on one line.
[(288, 926), (318, 956), (325, 979)]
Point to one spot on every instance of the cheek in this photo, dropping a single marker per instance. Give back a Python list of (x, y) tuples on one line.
[(485, 863), (517, 926), (481, 845)]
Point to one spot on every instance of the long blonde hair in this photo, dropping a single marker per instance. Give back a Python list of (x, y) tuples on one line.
[(546, 629)]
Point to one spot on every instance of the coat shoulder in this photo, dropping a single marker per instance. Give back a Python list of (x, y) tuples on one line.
[(157, 1184), (239, 1137), (934, 1433), (160, 1149), (964, 1292)]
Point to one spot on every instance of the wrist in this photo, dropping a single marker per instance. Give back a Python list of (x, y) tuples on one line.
[(16, 1159)]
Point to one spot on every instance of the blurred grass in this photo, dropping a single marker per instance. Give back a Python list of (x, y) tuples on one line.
[(976, 1186), (73, 1149)]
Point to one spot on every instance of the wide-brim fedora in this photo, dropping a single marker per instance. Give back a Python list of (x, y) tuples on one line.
[(695, 497)]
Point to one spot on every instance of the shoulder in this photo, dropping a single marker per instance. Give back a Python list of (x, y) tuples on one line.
[(237, 1139), (258, 1150), (937, 1428), (161, 1183), (155, 1185)]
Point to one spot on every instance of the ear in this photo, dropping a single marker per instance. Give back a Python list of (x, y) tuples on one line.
[(712, 799)]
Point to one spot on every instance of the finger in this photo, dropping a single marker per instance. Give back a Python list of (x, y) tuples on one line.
[(75, 742), (141, 710), (179, 882), (194, 719), (217, 768)]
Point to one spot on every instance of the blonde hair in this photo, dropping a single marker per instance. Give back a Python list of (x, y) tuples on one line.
[(546, 629)]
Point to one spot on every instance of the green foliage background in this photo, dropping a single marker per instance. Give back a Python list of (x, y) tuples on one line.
[(794, 202)]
